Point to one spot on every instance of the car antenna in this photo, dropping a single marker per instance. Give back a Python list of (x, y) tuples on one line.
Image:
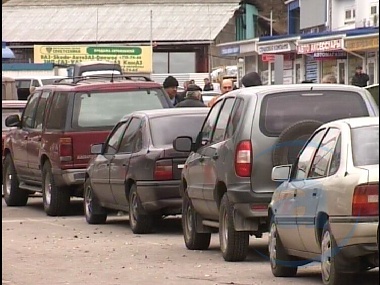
[(113, 68), (346, 172)]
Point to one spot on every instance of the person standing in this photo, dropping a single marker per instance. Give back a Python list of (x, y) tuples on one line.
[(226, 86), (170, 85), (208, 85), (360, 78), (193, 97)]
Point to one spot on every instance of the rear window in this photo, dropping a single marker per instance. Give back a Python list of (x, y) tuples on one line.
[(279, 111), (365, 145), (105, 109), (165, 129)]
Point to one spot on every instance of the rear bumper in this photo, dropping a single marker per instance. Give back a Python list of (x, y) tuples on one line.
[(160, 195), (69, 177)]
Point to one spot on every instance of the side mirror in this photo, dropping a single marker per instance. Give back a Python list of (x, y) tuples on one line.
[(184, 144), (13, 121), (281, 173), (97, 148)]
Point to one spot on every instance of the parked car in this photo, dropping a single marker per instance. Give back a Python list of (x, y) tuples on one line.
[(8, 89), (326, 209), (208, 95), (226, 183), (23, 83), (9, 107), (374, 90), (49, 150), (137, 170)]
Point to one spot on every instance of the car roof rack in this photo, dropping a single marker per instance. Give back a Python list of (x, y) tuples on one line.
[(77, 79)]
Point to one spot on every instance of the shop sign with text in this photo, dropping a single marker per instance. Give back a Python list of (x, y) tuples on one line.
[(323, 46), (362, 44), (330, 54), (275, 48), (232, 50), (137, 59)]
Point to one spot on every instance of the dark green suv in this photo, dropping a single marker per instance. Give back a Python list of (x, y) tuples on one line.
[(374, 90)]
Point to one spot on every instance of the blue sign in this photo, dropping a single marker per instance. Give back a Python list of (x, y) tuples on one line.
[(233, 50)]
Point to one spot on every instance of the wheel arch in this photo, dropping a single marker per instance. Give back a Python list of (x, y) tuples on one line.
[(219, 191), (320, 221), (128, 184), (43, 159)]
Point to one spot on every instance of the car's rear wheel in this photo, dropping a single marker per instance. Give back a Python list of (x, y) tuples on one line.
[(139, 220), (56, 199), (193, 239), (233, 244), (94, 213), (281, 263), (331, 274), (13, 195)]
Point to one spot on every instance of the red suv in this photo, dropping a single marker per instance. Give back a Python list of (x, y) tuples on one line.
[(49, 150)]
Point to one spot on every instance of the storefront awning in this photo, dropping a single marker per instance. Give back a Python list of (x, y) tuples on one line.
[(6, 51)]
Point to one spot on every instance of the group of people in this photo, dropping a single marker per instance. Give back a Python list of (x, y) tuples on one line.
[(360, 78), (192, 95)]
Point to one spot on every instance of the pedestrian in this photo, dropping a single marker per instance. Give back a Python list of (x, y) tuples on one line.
[(329, 78), (251, 79), (170, 85), (182, 95), (226, 86), (208, 85), (193, 97), (360, 78), (191, 81)]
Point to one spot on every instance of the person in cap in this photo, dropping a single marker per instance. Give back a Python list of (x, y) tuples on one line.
[(360, 78), (170, 85), (251, 79), (193, 97)]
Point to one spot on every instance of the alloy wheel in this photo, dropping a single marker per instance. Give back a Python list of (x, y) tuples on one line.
[(88, 201), (272, 245), (326, 255), (47, 190), (224, 231), (8, 182)]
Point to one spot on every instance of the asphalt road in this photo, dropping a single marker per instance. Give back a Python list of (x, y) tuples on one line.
[(42, 250)]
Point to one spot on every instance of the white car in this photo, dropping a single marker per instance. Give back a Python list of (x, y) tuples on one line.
[(208, 95), (326, 209)]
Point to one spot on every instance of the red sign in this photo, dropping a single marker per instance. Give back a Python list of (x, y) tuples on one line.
[(268, 57)]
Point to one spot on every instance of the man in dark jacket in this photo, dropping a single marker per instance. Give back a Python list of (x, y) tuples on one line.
[(251, 79), (170, 85), (208, 85), (360, 78), (193, 97)]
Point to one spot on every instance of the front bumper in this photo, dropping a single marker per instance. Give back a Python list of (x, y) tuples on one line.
[(356, 236), (160, 196), (69, 177)]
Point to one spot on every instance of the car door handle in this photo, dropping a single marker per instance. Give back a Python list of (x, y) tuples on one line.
[(25, 137), (201, 159), (215, 156), (125, 164), (314, 194)]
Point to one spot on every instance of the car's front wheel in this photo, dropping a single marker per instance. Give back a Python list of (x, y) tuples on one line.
[(13, 195), (233, 244), (94, 213), (281, 263), (140, 222), (56, 199), (193, 239)]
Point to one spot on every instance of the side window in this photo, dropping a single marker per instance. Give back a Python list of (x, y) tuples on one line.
[(58, 109), (41, 109), (132, 139), (114, 140), (209, 123), (27, 120), (335, 160), (222, 122), (35, 83), (237, 112), (306, 155), (320, 164)]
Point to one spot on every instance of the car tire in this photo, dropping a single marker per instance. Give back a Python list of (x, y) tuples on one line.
[(282, 264), (94, 213), (298, 133), (331, 275), (56, 199), (233, 244), (13, 195), (139, 220), (193, 239)]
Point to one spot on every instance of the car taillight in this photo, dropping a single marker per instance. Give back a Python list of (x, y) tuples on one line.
[(66, 149), (365, 201), (243, 159), (163, 170)]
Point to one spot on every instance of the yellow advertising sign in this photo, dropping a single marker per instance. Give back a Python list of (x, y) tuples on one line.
[(362, 44), (136, 59)]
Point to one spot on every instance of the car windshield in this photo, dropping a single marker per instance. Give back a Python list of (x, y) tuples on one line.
[(105, 109), (165, 129), (7, 112), (365, 145), (281, 110)]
